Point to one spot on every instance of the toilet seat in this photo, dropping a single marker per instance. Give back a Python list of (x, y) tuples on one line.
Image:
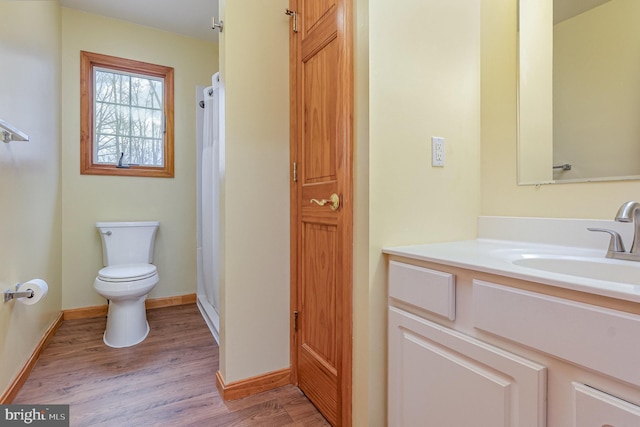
[(127, 272)]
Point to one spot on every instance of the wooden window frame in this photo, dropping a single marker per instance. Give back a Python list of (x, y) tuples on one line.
[(88, 61)]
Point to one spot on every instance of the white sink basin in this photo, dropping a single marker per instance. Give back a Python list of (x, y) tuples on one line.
[(592, 268)]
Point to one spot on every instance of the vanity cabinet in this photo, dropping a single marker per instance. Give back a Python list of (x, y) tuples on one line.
[(473, 349), (441, 377)]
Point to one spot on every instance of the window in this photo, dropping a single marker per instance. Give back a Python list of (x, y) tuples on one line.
[(126, 117)]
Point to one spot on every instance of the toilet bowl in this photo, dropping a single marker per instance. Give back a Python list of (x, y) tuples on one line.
[(126, 279)]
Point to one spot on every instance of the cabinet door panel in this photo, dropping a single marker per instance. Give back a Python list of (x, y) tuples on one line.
[(440, 377)]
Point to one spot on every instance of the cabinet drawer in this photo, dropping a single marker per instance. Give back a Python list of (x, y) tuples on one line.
[(594, 408), (431, 290), (598, 338)]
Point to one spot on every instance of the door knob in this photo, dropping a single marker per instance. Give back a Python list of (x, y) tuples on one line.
[(334, 201)]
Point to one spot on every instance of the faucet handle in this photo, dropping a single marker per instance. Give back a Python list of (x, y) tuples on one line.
[(615, 244)]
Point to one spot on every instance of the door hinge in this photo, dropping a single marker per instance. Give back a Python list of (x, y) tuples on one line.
[(294, 14), (295, 321), (295, 172)]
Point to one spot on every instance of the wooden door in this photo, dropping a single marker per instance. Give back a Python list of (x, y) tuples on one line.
[(321, 236)]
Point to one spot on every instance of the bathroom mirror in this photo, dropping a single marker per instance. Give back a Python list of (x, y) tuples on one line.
[(578, 90)]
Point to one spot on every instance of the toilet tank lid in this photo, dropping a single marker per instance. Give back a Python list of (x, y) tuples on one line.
[(128, 224)]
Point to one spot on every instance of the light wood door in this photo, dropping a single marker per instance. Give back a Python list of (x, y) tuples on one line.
[(321, 148)]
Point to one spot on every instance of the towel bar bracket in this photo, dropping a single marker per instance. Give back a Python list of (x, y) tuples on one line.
[(564, 167), (6, 136), (10, 133)]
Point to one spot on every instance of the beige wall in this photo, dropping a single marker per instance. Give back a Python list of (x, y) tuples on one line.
[(424, 81), (254, 330), (30, 240), (87, 199), (500, 194)]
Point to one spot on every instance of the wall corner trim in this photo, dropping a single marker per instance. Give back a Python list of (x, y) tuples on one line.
[(253, 385)]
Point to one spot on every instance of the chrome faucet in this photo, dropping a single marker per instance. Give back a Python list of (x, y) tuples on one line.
[(616, 247), (628, 212)]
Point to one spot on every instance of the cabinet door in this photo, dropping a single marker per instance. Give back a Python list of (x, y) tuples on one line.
[(594, 408), (440, 377)]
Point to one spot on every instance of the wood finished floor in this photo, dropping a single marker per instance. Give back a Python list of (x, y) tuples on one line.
[(167, 380)]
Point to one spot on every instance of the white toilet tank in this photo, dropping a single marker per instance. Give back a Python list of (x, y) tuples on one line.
[(127, 242)]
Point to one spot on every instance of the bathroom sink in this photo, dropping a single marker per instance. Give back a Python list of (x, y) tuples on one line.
[(589, 267), (579, 268)]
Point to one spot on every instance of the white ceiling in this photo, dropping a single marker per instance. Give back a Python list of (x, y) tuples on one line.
[(187, 17)]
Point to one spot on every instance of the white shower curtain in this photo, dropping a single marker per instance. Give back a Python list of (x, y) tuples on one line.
[(210, 197)]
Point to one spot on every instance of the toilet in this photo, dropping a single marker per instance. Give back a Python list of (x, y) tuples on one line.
[(126, 279)]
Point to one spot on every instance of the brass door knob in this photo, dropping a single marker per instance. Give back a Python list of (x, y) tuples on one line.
[(334, 201)]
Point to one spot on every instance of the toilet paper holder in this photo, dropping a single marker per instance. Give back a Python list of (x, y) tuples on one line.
[(9, 294)]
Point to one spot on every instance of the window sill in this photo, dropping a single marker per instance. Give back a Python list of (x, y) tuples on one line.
[(140, 171)]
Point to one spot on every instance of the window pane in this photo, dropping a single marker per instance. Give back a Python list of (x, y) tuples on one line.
[(104, 87), (158, 126), (107, 149), (128, 118), (105, 120), (158, 92)]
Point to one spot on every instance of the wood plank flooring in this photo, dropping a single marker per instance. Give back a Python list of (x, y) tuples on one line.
[(167, 380)]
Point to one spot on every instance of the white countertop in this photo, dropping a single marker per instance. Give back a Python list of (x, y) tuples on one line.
[(495, 256)]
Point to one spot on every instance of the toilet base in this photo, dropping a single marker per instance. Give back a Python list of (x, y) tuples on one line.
[(126, 323), (127, 315), (104, 338)]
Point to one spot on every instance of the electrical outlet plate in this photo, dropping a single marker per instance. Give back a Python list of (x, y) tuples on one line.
[(437, 151)]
